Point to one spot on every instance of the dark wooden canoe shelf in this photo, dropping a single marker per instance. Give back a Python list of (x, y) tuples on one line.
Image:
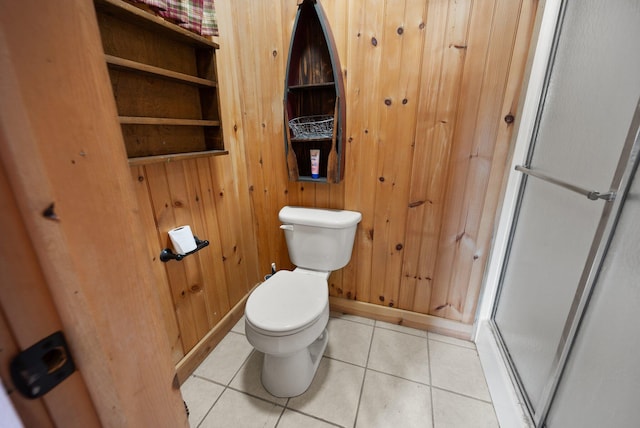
[(164, 84), (314, 87), (327, 85)]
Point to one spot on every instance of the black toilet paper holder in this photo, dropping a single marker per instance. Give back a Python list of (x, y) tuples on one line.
[(167, 254)]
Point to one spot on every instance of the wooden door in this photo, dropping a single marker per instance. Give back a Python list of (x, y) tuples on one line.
[(28, 314), (78, 267)]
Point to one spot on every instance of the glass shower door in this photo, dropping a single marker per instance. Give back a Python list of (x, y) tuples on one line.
[(591, 93)]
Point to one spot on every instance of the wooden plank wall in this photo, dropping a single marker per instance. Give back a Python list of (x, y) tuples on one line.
[(198, 291), (428, 84)]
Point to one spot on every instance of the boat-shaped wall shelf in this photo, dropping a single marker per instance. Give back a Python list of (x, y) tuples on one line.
[(314, 108)]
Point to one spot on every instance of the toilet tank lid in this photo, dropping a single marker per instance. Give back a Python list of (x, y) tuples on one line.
[(319, 217)]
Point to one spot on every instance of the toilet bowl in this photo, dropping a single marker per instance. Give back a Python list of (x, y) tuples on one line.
[(286, 316), (286, 319)]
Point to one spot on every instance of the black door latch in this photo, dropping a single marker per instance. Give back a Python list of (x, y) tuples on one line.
[(36, 370)]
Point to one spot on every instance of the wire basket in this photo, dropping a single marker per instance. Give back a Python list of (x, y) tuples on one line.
[(308, 127)]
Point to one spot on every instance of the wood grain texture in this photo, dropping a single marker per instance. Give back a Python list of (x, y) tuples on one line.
[(425, 89), (27, 315), (402, 317), (203, 287), (497, 176), (443, 61), (164, 84), (426, 85), (473, 156), (58, 113), (152, 237)]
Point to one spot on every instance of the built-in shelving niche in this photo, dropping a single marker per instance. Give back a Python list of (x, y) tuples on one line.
[(164, 83), (314, 89)]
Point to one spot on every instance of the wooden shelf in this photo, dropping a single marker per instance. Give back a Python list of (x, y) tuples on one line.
[(136, 120), (314, 87), (312, 180), (157, 71), (164, 84), (310, 140), (145, 160), (323, 85), (144, 19)]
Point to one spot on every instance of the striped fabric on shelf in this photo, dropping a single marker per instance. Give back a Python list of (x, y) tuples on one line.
[(198, 16)]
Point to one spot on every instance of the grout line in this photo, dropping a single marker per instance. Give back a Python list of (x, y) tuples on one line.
[(473, 347), (462, 395), (433, 418), (223, 385), (399, 377), (340, 317), (403, 332), (209, 380), (364, 376), (366, 368), (247, 394), (211, 408), (343, 361), (422, 336), (280, 417), (373, 332), (266, 400), (241, 366), (313, 417)]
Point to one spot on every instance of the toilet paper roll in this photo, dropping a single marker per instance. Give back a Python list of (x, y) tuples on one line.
[(182, 239)]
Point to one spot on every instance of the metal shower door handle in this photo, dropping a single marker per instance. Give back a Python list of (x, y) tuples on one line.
[(590, 194)]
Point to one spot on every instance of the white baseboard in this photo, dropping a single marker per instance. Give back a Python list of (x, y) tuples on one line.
[(510, 409)]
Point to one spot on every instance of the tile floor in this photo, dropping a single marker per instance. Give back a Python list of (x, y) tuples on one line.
[(373, 374)]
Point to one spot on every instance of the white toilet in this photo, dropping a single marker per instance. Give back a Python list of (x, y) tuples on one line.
[(286, 316)]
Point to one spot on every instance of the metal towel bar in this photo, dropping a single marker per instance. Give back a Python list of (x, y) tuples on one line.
[(590, 194)]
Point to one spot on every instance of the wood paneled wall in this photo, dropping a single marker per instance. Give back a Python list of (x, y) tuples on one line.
[(428, 85), (198, 291)]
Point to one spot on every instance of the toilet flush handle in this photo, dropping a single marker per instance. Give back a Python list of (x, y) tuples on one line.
[(286, 226)]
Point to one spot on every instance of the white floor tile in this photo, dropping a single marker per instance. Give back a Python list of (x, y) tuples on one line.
[(400, 354), (239, 327), (238, 410), (291, 419), (225, 360), (454, 411), (348, 341), (248, 379), (401, 328), (388, 401), (333, 394), (456, 368), (400, 362), (199, 394)]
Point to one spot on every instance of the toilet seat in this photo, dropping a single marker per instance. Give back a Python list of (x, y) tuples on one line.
[(287, 303)]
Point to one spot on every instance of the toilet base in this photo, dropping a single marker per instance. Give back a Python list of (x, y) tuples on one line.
[(291, 375)]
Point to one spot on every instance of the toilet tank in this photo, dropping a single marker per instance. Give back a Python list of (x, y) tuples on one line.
[(319, 239)]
